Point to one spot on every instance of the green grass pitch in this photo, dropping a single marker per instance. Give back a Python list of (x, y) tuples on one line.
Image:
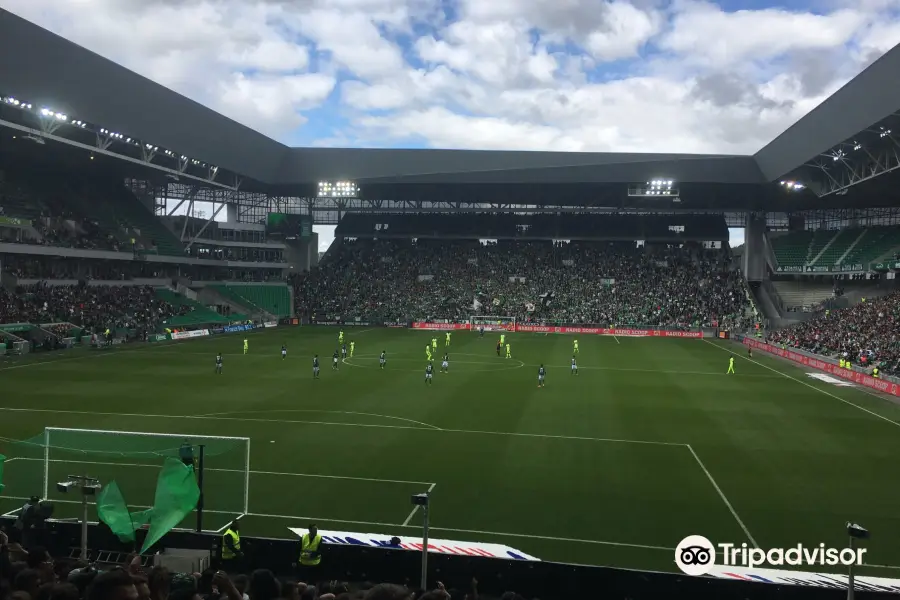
[(649, 443)]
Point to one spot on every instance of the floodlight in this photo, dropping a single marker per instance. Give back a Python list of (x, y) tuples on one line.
[(337, 189)]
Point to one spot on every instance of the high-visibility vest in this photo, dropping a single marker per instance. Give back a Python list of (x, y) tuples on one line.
[(307, 547), (841, 363), (875, 372), (227, 552)]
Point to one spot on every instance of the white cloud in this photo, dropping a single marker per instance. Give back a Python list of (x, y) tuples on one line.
[(601, 75), (627, 29), (271, 55), (707, 34), (274, 102)]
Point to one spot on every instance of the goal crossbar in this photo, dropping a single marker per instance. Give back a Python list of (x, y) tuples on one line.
[(195, 440)]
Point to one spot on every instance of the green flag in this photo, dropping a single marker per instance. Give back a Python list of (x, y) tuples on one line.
[(177, 494), (112, 510)]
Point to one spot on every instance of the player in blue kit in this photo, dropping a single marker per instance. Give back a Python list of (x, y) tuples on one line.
[(316, 366)]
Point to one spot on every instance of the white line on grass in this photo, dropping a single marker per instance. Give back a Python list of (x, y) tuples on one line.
[(97, 354), (370, 425), (315, 475), (723, 497), (395, 525), (415, 509), (617, 340), (132, 350), (310, 410), (371, 357), (800, 381)]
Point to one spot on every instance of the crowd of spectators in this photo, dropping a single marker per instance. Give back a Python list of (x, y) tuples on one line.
[(70, 232), (91, 307), (26, 266), (865, 333), (33, 574), (573, 282)]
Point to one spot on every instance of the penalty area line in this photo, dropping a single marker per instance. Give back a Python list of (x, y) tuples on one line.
[(723, 496)]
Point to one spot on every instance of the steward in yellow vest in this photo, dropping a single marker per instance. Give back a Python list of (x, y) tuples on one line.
[(875, 373), (231, 545), (310, 555)]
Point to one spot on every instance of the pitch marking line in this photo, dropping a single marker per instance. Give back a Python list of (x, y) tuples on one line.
[(316, 475), (416, 508), (308, 410), (722, 496), (800, 381), (372, 357), (139, 350), (395, 525), (281, 421)]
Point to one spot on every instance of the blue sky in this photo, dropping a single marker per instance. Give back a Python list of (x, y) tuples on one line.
[(568, 75)]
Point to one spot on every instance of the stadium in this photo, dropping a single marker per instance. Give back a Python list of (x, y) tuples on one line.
[(602, 375)]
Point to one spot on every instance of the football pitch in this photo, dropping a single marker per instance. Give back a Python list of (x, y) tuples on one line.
[(650, 442)]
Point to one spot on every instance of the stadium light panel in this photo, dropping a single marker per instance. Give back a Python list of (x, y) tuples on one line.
[(337, 189)]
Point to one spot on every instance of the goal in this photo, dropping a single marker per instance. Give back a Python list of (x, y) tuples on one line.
[(132, 459), (492, 323)]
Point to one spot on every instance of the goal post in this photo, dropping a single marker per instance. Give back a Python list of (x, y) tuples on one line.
[(133, 459), (492, 323)]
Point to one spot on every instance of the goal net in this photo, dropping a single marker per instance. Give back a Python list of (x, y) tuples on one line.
[(492, 323), (133, 460)]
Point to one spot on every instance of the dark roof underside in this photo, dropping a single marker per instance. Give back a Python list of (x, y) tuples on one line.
[(57, 73), (868, 98)]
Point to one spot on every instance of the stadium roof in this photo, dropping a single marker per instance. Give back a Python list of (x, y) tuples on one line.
[(47, 70)]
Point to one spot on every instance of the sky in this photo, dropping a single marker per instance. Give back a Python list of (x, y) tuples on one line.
[(680, 76)]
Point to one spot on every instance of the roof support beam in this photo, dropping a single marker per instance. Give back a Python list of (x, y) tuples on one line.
[(190, 197), (228, 197), (837, 174), (37, 133)]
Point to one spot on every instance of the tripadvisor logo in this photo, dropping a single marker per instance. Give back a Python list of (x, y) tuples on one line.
[(696, 555)]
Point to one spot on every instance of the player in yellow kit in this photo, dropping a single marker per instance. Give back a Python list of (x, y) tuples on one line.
[(352, 348), (730, 365), (246, 346), (508, 353), (428, 352), (575, 348), (447, 341), (434, 343)]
